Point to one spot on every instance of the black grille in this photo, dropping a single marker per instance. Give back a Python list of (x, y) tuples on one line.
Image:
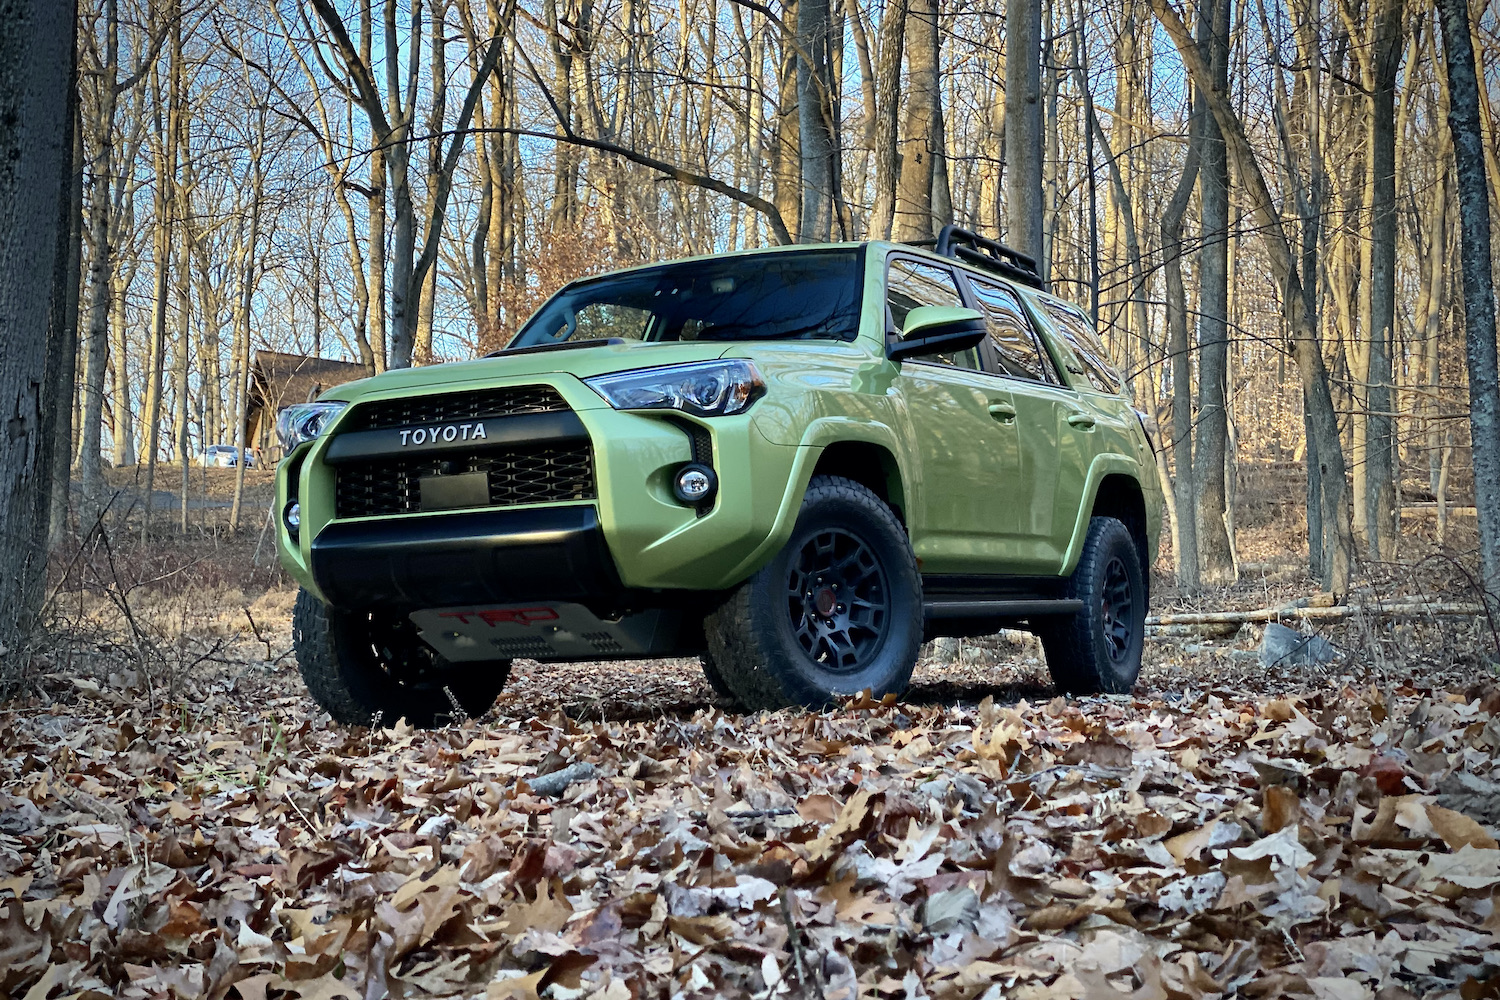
[(549, 474), (458, 407)]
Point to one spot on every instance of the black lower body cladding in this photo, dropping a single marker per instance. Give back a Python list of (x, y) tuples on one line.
[(479, 557)]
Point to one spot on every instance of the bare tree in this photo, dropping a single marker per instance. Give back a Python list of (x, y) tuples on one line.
[(1478, 281), (38, 87), (1023, 125)]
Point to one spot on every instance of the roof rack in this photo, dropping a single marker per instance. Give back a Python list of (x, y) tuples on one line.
[(992, 255)]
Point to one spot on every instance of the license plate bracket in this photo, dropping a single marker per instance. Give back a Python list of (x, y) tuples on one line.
[(465, 489)]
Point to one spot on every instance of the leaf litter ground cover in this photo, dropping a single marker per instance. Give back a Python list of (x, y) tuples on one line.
[(1330, 838)]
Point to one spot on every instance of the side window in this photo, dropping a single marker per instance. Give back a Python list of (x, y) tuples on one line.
[(1089, 354), (1017, 352), (913, 283)]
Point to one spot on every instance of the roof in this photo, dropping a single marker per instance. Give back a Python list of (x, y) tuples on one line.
[(298, 378)]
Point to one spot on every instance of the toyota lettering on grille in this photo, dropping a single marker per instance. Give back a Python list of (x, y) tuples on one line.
[(449, 432)]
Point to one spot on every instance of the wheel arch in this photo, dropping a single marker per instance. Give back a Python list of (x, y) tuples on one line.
[(1114, 490), (871, 465)]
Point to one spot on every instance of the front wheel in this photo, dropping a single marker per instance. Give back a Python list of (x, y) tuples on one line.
[(836, 611), (1098, 650), (366, 669)]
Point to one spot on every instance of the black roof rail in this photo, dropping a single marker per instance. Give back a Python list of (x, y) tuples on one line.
[(992, 255)]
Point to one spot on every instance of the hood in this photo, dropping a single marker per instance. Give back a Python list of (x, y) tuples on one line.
[(582, 362)]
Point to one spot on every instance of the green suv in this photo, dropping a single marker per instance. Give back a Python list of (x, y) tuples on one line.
[(795, 463)]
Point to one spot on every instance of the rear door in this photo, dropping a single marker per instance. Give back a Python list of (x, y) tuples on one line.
[(1055, 429), (964, 429)]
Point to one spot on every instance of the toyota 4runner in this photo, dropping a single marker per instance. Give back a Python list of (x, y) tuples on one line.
[(795, 463)]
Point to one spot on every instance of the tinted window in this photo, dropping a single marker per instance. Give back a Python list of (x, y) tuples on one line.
[(798, 295), (1017, 353), (1090, 359), (910, 284)]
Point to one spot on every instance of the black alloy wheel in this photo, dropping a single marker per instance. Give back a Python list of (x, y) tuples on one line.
[(837, 611), (838, 601), (1116, 607)]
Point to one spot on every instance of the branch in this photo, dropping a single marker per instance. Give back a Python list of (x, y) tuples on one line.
[(450, 163), (369, 96), (766, 208)]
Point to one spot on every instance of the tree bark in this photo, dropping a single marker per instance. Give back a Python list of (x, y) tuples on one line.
[(1378, 281), (1023, 126), (1210, 448), (913, 216), (815, 121), (1185, 527), (887, 115), (1478, 284), (101, 265), (37, 83)]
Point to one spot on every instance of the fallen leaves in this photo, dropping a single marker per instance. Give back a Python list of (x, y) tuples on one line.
[(1335, 843)]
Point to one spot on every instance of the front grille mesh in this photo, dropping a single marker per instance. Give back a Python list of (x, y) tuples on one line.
[(392, 484), (458, 407), (387, 486)]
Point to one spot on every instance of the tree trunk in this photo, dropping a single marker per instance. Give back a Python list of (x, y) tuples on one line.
[(101, 266), (36, 143), (65, 337), (1023, 126), (887, 113), (1378, 282), (913, 216), (1478, 284), (786, 161), (1185, 527), (815, 121), (1210, 448)]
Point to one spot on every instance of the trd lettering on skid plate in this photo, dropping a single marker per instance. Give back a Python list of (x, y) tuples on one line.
[(504, 616), (451, 432)]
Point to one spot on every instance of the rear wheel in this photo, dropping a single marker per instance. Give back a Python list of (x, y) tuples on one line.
[(836, 611), (363, 666), (1098, 650)]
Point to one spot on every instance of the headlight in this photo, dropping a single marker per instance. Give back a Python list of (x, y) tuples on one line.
[(301, 422), (706, 389)]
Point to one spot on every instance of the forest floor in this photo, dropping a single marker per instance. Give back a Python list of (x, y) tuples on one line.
[(177, 818)]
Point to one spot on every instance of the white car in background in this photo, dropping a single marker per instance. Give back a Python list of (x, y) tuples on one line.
[(226, 456)]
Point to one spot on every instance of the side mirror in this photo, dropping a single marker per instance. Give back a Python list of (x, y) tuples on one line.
[(937, 330)]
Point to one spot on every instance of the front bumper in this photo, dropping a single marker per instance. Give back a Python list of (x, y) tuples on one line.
[(472, 557), (632, 535)]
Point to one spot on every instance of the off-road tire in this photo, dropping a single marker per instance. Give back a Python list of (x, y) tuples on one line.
[(715, 678), (1098, 650), (753, 637), (355, 681)]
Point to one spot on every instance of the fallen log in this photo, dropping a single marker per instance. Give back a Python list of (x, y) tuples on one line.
[(1336, 613)]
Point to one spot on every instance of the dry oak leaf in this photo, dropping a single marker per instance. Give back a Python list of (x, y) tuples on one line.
[(1278, 807), (1458, 830)]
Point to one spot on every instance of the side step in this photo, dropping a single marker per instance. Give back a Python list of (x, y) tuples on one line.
[(1011, 608)]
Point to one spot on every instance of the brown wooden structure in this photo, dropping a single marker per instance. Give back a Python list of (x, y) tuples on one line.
[(278, 380)]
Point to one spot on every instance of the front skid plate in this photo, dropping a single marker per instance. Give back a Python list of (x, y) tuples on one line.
[(545, 631)]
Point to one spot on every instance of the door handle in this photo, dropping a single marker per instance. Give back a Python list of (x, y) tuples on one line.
[(1003, 412), (1084, 421)]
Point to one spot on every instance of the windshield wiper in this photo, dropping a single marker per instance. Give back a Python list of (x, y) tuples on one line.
[(558, 345)]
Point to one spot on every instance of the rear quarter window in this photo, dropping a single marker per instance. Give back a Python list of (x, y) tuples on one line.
[(1090, 358)]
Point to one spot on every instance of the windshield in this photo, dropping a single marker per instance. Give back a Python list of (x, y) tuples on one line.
[(798, 295)]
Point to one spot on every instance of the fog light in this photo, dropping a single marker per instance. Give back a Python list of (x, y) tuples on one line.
[(695, 483), (293, 516)]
